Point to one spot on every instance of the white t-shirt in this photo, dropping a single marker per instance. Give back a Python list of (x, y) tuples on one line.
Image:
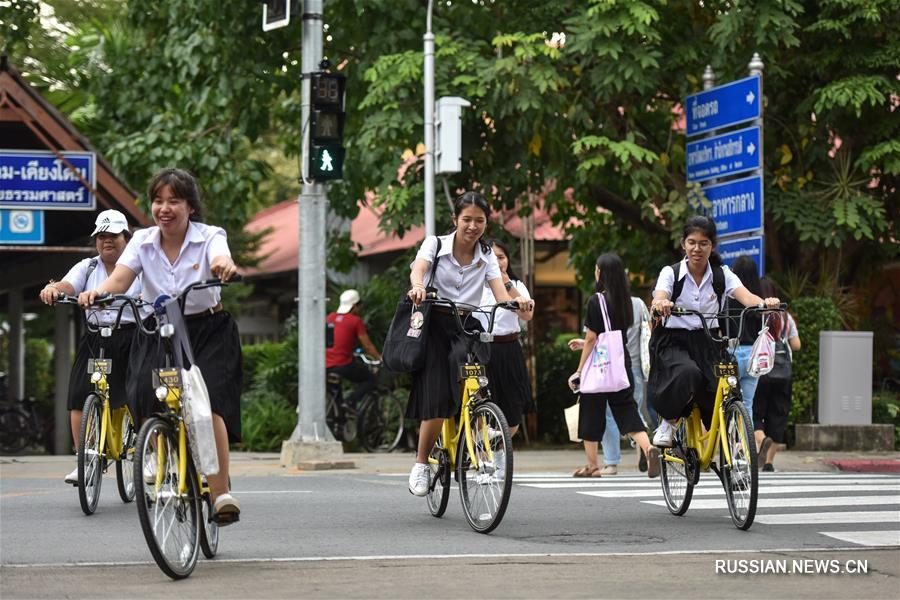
[(202, 244), (461, 283), (701, 298), (505, 321), (79, 279)]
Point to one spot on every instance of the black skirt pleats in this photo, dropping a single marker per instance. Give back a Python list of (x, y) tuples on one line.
[(435, 390), (772, 406), (682, 369), (217, 351), (510, 383), (118, 348)]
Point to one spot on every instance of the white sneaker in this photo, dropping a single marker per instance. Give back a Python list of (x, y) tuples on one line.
[(72, 478), (419, 479), (150, 469), (664, 435)]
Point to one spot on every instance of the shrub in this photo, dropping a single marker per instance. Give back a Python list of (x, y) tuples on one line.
[(257, 356), (267, 420), (886, 409), (812, 315), (39, 379), (555, 362)]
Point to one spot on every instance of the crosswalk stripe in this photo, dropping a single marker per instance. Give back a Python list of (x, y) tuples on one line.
[(762, 476), (719, 503), (716, 490), (872, 516), (712, 480), (889, 537)]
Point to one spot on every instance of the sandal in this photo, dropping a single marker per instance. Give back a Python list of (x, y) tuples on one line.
[(586, 471)]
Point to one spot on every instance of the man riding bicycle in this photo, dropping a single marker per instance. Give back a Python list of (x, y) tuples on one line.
[(350, 332)]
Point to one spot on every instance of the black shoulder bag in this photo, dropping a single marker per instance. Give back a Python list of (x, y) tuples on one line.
[(404, 346)]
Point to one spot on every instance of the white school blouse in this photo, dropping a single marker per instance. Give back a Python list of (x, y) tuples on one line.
[(79, 279), (505, 321), (462, 284), (202, 243), (701, 298)]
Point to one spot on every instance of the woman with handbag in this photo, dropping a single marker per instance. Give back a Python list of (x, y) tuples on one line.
[(604, 372), (510, 382), (460, 264), (178, 251), (772, 405), (682, 356), (748, 272)]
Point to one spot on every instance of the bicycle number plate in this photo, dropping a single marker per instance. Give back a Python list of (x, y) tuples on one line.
[(99, 365), (723, 370), (466, 371), (170, 378)]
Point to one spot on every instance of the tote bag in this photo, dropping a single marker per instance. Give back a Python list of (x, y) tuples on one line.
[(762, 354), (572, 421), (199, 421), (645, 341), (604, 371), (404, 345)]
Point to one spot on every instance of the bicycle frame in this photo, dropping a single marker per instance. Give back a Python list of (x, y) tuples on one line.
[(449, 430)]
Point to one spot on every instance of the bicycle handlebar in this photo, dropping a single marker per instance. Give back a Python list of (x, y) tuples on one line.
[(680, 311), (454, 308), (128, 301)]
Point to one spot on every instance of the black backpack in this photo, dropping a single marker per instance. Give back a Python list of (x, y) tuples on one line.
[(718, 283)]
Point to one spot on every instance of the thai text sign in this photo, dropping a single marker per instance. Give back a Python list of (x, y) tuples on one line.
[(726, 154), (723, 106), (39, 179), (737, 206), (21, 227), (729, 250)]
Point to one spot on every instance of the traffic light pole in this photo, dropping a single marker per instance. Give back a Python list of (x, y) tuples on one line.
[(311, 440)]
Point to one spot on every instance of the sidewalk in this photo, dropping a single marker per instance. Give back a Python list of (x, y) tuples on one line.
[(562, 461)]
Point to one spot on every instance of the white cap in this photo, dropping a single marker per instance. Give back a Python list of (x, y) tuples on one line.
[(110, 221), (348, 300)]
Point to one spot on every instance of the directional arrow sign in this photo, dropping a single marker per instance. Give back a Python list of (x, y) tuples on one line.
[(730, 250), (723, 106), (737, 206), (726, 154)]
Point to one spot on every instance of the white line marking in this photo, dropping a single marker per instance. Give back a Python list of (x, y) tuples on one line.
[(617, 480), (870, 516), (242, 492), (866, 538), (714, 482), (302, 559), (716, 490), (719, 503)]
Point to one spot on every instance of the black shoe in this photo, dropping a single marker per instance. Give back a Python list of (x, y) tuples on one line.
[(764, 449), (642, 461), (768, 468)]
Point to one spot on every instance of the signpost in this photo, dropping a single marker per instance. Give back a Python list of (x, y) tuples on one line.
[(21, 227), (39, 179), (723, 106), (726, 154), (731, 249), (736, 205)]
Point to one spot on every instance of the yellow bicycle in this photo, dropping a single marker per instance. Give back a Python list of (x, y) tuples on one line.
[(730, 433), (174, 502), (106, 434), (478, 449)]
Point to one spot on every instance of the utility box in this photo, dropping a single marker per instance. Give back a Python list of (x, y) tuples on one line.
[(448, 134), (845, 377)]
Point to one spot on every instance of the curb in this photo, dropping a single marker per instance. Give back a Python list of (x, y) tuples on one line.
[(866, 466)]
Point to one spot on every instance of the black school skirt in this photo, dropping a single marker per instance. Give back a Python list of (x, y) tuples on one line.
[(510, 383), (118, 348), (217, 351), (435, 390), (681, 370)]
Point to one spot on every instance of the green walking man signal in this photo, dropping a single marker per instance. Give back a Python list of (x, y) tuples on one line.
[(326, 126)]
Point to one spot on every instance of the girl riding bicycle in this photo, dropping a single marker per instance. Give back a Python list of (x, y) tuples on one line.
[(178, 251), (465, 264), (110, 236), (682, 356)]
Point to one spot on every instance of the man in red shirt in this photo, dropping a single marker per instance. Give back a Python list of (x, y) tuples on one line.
[(350, 331)]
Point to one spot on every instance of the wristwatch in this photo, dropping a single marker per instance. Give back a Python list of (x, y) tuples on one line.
[(508, 285)]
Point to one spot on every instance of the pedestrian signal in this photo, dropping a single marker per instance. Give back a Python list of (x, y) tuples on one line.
[(326, 126)]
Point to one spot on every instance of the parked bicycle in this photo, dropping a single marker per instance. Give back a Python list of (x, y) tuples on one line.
[(378, 419), (22, 426)]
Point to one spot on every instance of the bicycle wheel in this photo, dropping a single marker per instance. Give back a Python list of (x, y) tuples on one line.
[(209, 531), (170, 520), (485, 480), (13, 431), (439, 479), (90, 462), (741, 478), (678, 478), (125, 464), (381, 422)]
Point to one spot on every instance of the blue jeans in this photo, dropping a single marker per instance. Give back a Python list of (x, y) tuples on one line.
[(748, 383), (612, 453)]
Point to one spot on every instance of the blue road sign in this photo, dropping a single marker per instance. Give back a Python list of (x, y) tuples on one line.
[(21, 227), (726, 154), (753, 247), (39, 179), (737, 206), (729, 104)]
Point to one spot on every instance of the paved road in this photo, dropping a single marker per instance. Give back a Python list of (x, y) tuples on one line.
[(362, 534)]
